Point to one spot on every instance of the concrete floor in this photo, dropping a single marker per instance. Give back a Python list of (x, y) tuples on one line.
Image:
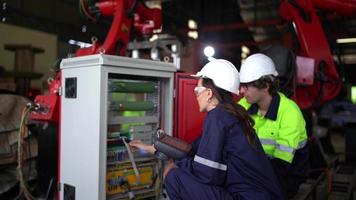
[(338, 142), (342, 177)]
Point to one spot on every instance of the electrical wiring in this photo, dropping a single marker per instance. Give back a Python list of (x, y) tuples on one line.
[(132, 160), (328, 174), (80, 10), (20, 153), (84, 9)]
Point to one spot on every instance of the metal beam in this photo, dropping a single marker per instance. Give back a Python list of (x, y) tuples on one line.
[(241, 25), (245, 43)]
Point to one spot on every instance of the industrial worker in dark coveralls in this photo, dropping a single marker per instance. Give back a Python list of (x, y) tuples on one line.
[(227, 161)]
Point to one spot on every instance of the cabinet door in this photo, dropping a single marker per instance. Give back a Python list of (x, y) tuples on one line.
[(188, 121)]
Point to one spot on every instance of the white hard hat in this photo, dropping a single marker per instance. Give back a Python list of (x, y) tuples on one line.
[(223, 73), (256, 66)]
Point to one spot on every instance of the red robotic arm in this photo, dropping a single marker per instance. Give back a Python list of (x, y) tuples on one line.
[(314, 44), (126, 14)]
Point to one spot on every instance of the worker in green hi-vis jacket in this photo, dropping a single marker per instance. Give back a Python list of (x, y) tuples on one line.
[(279, 123)]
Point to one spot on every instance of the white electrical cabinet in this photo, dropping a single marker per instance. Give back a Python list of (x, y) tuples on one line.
[(105, 102)]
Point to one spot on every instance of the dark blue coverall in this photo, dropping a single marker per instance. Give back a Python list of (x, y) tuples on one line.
[(223, 165)]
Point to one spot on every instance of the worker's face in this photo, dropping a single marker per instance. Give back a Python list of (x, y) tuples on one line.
[(201, 94), (251, 93)]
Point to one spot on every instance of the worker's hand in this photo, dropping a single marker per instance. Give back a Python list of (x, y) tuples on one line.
[(168, 167), (140, 145)]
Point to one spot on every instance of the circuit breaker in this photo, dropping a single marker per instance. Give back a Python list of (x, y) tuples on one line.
[(106, 101)]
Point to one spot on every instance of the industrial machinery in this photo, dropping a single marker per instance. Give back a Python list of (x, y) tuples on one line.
[(101, 101), (314, 81), (317, 78), (318, 82), (107, 101), (130, 19), (125, 14)]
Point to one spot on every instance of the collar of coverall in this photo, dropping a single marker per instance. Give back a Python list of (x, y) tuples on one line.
[(272, 109)]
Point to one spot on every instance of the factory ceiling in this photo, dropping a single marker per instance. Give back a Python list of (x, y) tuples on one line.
[(227, 24)]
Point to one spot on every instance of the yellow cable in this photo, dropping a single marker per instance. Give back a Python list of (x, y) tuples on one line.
[(132, 161), (21, 136)]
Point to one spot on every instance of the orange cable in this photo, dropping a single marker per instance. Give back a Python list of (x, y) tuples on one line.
[(86, 12)]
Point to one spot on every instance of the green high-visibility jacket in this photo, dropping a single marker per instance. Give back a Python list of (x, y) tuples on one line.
[(282, 130)]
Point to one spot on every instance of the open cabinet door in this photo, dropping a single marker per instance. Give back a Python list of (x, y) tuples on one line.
[(188, 121)]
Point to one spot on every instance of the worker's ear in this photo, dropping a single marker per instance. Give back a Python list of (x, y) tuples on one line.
[(210, 93), (266, 88)]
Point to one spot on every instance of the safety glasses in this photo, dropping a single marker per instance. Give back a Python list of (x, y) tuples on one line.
[(246, 86), (198, 90)]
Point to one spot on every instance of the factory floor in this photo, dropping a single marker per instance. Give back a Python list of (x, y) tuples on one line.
[(337, 140), (338, 182)]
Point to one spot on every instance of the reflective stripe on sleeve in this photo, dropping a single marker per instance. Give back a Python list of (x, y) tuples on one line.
[(210, 163), (302, 144), (268, 142), (284, 148)]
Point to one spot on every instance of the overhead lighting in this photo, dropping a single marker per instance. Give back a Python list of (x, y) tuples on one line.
[(209, 51), (193, 34), (153, 4), (174, 48), (245, 49), (346, 40), (192, 24), (153, 38)]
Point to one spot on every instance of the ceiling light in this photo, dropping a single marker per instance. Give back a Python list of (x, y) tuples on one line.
[(245, 49), (153, 38), (193, 34), (346, 40), (192, 24), (209, 51)]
